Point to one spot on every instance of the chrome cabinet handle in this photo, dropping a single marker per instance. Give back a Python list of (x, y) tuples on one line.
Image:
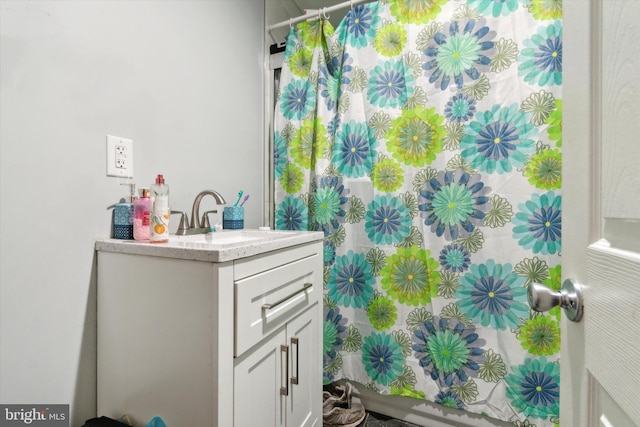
[(284, 390), (269, 306), (541, 298), (295, 378)]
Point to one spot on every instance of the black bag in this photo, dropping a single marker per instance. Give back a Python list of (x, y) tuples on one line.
[(103, 422)]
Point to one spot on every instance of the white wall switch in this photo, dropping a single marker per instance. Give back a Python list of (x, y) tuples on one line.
[(119, 157)]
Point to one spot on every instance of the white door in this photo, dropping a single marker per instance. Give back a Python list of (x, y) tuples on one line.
[(258, 378), (600, 362)]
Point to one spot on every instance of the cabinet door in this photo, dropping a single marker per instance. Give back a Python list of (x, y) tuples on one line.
[(259, 375), (304, 402)]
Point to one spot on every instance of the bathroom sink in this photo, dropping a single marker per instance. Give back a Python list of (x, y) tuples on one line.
[(226, 239)]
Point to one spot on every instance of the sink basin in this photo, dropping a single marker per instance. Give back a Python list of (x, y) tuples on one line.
[(226, 239)]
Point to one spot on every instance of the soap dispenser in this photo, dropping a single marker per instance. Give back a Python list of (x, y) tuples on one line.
[(123, 216)]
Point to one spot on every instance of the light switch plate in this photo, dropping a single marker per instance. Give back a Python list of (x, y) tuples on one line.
[(119, 157)]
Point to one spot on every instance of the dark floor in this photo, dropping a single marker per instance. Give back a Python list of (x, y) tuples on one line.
[(378, 420)]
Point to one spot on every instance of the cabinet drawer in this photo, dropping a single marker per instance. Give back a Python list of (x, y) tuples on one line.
[(267, 300)]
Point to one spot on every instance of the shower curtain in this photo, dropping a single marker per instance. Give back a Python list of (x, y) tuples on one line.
[(423, 137)]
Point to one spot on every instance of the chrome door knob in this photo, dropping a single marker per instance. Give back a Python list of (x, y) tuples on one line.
[(542, 298)]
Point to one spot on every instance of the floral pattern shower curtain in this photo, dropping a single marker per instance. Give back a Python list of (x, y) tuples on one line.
[(423, 137)]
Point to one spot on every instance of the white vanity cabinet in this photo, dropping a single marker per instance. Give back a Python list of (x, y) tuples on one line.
[(201, 343)]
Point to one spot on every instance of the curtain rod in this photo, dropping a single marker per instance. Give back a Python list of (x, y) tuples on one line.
[(317, 15)]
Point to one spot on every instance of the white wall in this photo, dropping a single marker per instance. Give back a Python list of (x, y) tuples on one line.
[(183, 79)]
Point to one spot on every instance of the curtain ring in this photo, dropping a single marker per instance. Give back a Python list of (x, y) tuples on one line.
[(324, 13), (290, 23), (351, 2)]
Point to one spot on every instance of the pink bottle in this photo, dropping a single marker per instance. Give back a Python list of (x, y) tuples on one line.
[(141, 215)]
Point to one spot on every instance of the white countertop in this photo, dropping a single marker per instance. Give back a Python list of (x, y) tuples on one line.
[(220, 246)]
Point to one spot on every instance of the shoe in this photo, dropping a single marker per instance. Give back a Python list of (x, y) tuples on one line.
[(341, 393), (329, 401), (344, 417)]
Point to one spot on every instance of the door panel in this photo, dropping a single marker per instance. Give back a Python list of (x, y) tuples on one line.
[(258, 378), (620, 126), (612, 300), (303, 407)]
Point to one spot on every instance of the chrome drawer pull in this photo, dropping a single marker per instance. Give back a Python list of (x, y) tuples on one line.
[(269, 306), (284, 390), (295, 378)]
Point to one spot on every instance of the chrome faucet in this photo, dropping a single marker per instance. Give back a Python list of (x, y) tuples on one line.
[(197, 225), (196, 222)]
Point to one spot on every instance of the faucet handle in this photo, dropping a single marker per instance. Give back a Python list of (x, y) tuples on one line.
[(205, 219), (184, 222)]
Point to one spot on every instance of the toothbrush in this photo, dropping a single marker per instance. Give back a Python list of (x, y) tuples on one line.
[(240, 193), (244, 200)]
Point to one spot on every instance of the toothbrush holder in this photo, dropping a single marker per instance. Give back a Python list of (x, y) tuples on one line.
[(233, 218)]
